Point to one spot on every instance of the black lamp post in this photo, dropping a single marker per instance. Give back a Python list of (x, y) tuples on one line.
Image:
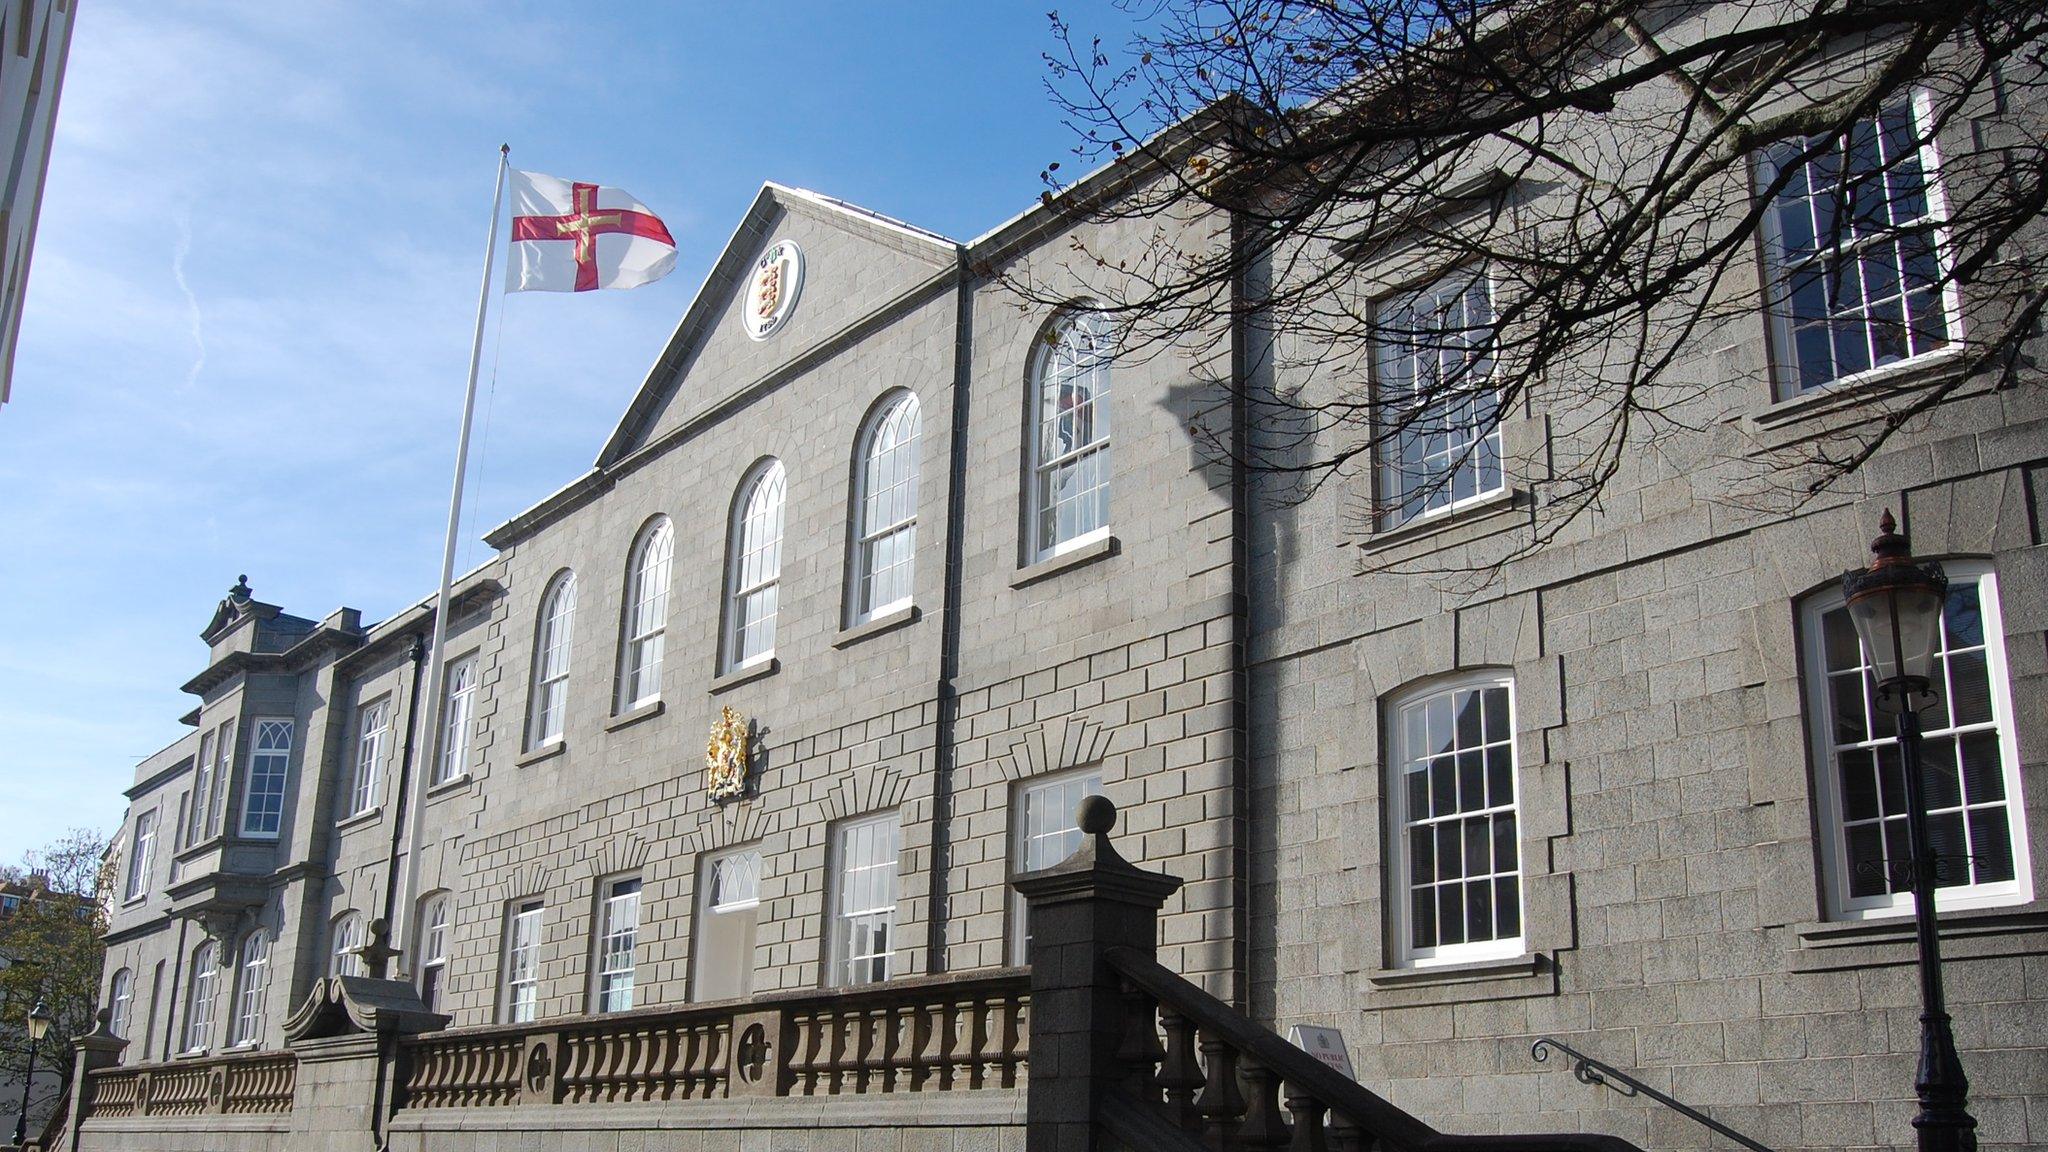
[(38, 1027), (1896, 605)]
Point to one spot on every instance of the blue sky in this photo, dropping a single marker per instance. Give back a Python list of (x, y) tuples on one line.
[(254, 280)]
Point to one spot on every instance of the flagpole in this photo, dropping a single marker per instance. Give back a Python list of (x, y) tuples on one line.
[(427, 720)]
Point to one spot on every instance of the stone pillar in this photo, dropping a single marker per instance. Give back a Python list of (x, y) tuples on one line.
[(1093, 901), (97, 1049)]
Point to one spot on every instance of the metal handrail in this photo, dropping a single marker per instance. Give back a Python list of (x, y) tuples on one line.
[(1589, 1070)]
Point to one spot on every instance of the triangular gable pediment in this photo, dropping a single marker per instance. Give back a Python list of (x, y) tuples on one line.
[(855, 262)]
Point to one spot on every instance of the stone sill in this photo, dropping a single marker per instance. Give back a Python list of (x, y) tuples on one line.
[(1829, 945), (454, 783), (366, 816), (204, 846), (886, 622), (1480, 511), (1847, 402), (547, 751), (1458, 973), (1066, 561), (634, 715), (747, 675)]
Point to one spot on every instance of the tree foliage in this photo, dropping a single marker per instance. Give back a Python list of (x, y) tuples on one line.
[(1612, 169), (50, 953)]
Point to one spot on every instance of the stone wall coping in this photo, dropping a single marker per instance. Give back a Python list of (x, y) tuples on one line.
[(980, 1107)]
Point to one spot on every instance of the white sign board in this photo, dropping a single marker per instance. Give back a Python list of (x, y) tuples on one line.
[(1325, 1044)]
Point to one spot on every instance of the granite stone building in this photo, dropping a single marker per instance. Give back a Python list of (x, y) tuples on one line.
[(924, 565)]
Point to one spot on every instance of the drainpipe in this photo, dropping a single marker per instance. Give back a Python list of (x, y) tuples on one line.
[(418, 653), (949, 624)]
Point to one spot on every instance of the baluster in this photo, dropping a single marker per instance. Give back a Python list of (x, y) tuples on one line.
[(994, 1019), (844, 1056), (928, 1048), (1263, 1127), (874, 1051), (1139, 1050), (803, 1063), (902, 1054), (1347, 1135), (1180, 1076), (1308, 1121), (1020, 1050), (960, 1057), (1221, 1104), (721, 1044), (664, 1066)]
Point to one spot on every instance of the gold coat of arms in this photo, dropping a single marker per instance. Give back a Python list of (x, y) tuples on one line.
[(725, 757)]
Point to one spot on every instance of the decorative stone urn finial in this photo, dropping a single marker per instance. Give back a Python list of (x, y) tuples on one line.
[(378, 953), (240, 593)]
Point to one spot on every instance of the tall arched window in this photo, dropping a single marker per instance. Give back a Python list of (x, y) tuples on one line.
[(755, 568), (1070, 435), (433, 948), (1454, 850), (550, 697), (342, 958), (199, 997), (247, 1025), (885, 510), (646, 620), (120, 1002)]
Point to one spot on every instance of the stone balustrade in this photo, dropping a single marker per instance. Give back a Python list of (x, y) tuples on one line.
[(253, 1083), (920, 1035)]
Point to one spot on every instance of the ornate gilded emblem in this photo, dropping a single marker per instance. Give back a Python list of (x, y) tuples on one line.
[(773, 288), (725, 757)]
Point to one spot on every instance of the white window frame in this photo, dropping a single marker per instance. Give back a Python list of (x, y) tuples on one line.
[(141, 853), (1437, 483), (223, 772), (553, 641), (644, 628), (519, 1003), (458, 718), (433, 947), (1778, 269), (199, 997), (1400, 916), (269, 761), (754, 565), (844, 969), (1027, 804), (345, 935), (886, 470), (251, 972), (120, 1001), (202, 788), (373, 731), (1814, 679), (614, 962), (1053, 365)]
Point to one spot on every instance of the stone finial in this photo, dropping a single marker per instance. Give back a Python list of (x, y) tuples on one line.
[(378, 953), (241, 592)]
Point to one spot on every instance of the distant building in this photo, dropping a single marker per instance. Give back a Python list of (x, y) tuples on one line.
[(35, 39)]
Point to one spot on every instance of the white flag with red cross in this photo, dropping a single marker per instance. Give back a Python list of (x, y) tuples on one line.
[(570, 237)]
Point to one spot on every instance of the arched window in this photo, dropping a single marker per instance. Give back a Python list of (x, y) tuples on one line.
[(433, 947), (551, 637), (199, 997), (120, 1002), (1976, 815), (458, 715), (342, 959), (1454, 860), (247, 1026), (885, 510), (755, 569), (646, 620), (1070, 435)]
